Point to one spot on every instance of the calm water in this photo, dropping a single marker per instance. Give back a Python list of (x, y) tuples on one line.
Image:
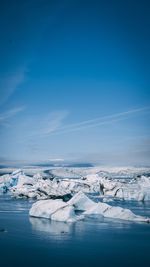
[(94, 242)]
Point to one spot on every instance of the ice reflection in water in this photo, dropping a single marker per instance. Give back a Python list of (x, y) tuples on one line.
[(64, 231), (52, 227)]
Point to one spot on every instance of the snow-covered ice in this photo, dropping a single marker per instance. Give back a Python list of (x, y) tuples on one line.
[(62, 192), (45, 208), (109, 183), (56, 210), (66, 211)]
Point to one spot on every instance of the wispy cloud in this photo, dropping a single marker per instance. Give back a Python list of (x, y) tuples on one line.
[(10, 82), (54, 124), (100, 121), (4, 117), (46, 125), (54, 121)]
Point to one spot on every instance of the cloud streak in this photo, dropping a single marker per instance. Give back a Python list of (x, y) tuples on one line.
[(100, 121), (4, 117), (48, 124), (53, 124), (10, 83), (54, 121)]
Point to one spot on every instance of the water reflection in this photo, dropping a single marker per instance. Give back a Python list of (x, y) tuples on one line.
[(52, 227), (93, 225)]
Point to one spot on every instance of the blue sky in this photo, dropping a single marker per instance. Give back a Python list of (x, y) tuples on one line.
[(74, 81)]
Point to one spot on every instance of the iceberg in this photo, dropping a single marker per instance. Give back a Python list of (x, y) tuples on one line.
[(109, 183), (66, 214), (7, 181), (81, 202), (115, 213), (45, 208), (59, 210), (56, 210)]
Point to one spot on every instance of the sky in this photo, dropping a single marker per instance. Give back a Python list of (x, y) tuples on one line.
[(75, 81)]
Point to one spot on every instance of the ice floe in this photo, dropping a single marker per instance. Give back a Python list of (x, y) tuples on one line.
[(56, 210), (59, 210), (65, 192), (45, 208), (109, 183)]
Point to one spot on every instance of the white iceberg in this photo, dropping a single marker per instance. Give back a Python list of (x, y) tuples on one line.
[(56, 210), (66, 214), (45, 208), (81, 202), (66, 211), (7, 181), (109, 183), (115, 213)]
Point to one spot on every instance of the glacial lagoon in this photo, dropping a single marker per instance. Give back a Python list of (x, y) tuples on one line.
[(26, 241)]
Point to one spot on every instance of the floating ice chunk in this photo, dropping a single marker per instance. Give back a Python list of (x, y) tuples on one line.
[(45, 208), (108, 199), (123, 214), (37, 176), (65, 211), (24, 180), (16, 173), (56, 210), (4, 178), (81, 202), (97, 208), (7, 181), (66, 214), (115, 212), (144, 181), (92, 178), (23, 187), (4, 183), (122, 183)]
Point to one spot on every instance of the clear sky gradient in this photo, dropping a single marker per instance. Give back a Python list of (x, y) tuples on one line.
[(75, 81)]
